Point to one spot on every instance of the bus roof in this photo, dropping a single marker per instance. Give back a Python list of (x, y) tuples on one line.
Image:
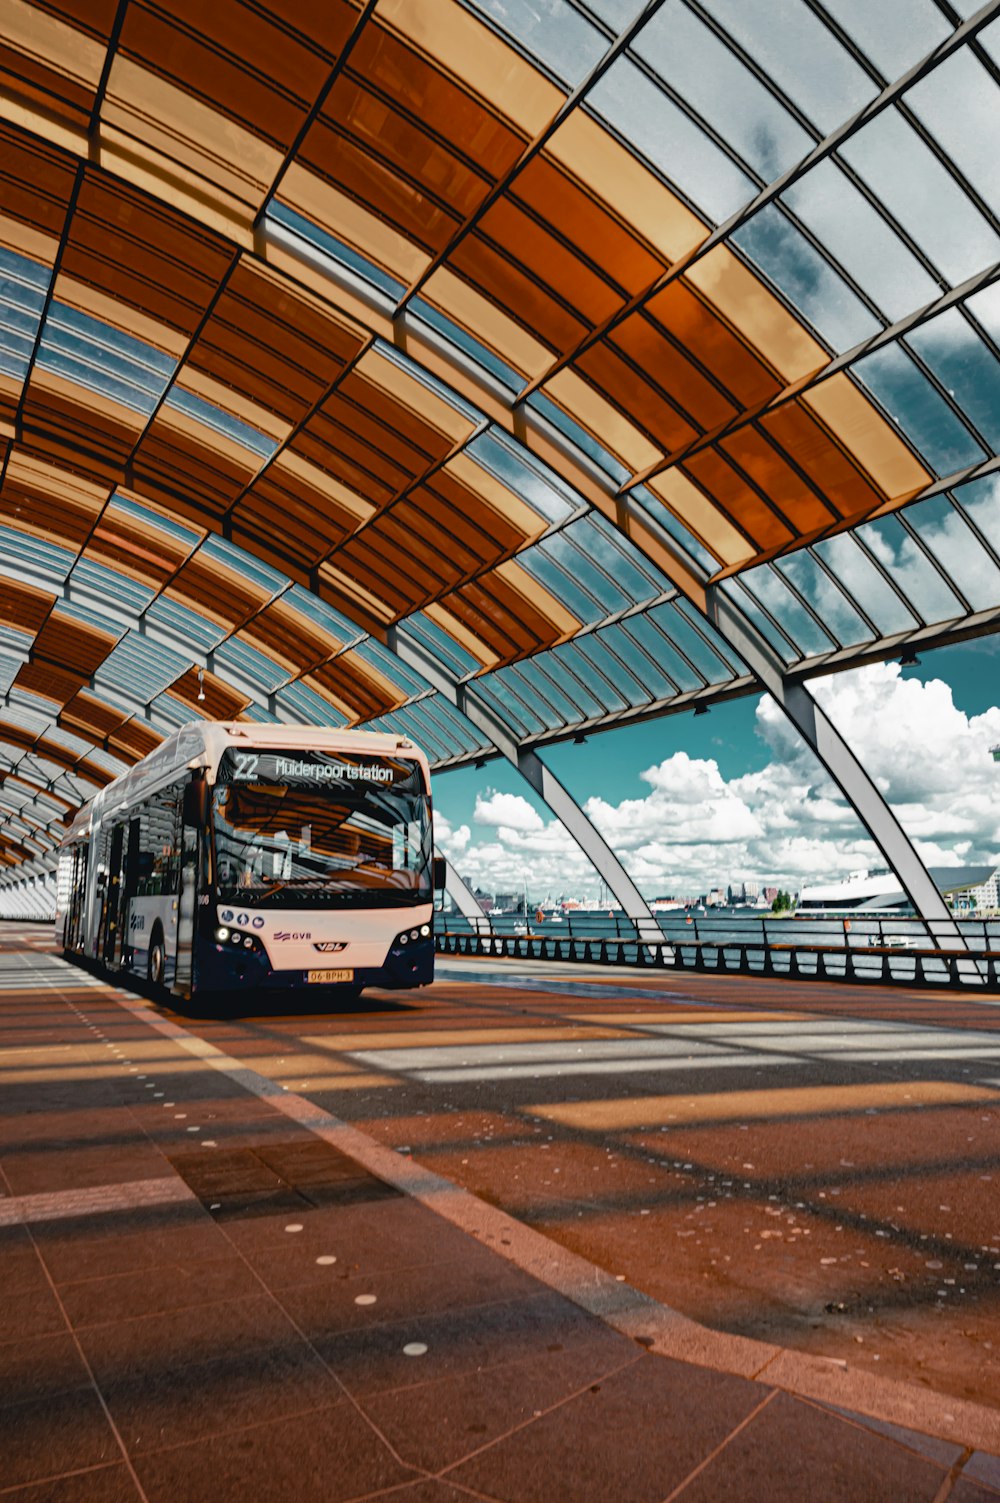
[(202, 744)]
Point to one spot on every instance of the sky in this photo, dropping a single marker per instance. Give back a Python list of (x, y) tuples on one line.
[(694, 802)]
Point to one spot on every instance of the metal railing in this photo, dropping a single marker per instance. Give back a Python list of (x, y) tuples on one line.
[(886, 955)]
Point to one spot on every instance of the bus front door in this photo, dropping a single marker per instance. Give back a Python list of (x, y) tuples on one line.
[(111, 916), (195, 814)]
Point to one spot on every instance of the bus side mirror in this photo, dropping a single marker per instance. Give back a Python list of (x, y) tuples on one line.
[(440, 874), (196, 803)]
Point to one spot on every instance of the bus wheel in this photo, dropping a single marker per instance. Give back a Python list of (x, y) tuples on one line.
[(156, 961)]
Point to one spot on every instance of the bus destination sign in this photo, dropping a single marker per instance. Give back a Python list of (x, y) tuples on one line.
[(313, 768)]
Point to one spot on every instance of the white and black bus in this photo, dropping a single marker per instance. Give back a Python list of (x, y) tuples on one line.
[(244, 855)]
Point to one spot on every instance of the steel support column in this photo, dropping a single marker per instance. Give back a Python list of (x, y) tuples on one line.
[(466, 901), (843, 767), (543, 780)]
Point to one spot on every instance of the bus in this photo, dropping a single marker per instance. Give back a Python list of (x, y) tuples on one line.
[(240, 855)]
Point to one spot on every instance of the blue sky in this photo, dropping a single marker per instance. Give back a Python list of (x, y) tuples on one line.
[(732, 789)]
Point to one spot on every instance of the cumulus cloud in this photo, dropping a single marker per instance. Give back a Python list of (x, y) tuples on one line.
[(692, 829), (506, 810)]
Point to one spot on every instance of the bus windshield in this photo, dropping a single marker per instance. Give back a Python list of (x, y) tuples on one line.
[(311, 830)]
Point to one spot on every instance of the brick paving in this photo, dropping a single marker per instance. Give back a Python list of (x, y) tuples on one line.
[(212, 1284)]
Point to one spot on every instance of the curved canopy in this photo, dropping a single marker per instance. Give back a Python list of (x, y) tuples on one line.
[(353, 352)]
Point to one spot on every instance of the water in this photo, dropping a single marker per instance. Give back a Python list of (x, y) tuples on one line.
[(721, 926)]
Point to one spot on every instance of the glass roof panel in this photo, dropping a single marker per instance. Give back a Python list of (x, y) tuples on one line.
[(324, 615), (985, 307), (960, 103), (552, 31), (943, 529), (712, 79), (35, 555), (297, 702), (989, 38), (251, 667), (617, 684), (584, 441), (419, 728), (387, 663), (477, 353), (99, 580), (909, 398), (569, 657), (866, 247), (10, 667), (765, 624), (966, 368), (911, 570), (622, 639), (565, 708), (774, 594), (700, 643), (449, 722), (662, 651), (557, 665), (508, 709), (528, 478), (980, 500), (807, 280), (213, 417), (802, 55), (338, 255), (616, 13), (826, 598), (860, 578), (530, 699), (184, 624), (23, 286), (675, 529), (104, 359), (894, 34), (150, 518), (243, 563), (443, 647), (922, 196), (678, 148), (141, 668)]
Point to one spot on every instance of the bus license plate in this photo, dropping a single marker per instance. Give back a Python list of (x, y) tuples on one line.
[(329, 977)]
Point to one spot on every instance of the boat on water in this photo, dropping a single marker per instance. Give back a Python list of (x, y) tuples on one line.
[(876, 892)]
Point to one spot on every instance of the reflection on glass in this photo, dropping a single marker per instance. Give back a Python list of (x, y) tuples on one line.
[(912, 571), (826, 598), (960, 103), (923, 415), (944, 531), (553, 31), (808, 282), (980, 500), (895, 34), (965, 367), (748, 606), (773, 593), (526, 477), (923, 196), (847, 225), (283, 841), (802, 55), (710, 77), (861, 580), (647, 669), (653, 125)]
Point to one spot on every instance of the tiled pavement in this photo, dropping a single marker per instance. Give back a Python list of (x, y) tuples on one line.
[(208, 1293)]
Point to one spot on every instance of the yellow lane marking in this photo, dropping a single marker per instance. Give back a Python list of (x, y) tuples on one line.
[(728, 1106)]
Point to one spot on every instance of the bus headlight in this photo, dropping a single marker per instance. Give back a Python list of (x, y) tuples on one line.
[(222, 934), (425, 929)]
